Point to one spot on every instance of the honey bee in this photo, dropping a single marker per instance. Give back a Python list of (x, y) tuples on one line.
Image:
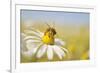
[(49, 36)]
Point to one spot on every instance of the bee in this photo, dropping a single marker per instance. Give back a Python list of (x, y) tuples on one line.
[(49, 35)]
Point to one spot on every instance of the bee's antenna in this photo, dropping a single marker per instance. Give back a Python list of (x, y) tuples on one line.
[(47, 24)]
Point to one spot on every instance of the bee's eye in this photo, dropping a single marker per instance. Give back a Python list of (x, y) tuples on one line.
[(54, 32)]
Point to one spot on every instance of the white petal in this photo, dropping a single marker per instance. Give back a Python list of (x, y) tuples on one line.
[(30, 44), (32, 51), (66, 50), (37, 31), (59, 42), (41, 51), (33, 41), (59, 51), (32, 37), (50, 52), (23, 35), (33, 32), (27, 53), (23, 45)]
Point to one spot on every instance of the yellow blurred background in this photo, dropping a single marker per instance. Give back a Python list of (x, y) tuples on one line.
[(76, 38)]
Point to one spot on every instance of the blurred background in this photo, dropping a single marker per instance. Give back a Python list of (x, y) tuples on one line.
[(71, 27)]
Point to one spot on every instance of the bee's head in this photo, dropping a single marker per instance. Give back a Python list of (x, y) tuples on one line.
[(51, 31)]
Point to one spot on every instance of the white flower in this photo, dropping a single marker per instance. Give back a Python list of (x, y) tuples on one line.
[(32, 44)]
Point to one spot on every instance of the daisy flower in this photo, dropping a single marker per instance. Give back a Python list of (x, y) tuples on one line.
[(33, 43)]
